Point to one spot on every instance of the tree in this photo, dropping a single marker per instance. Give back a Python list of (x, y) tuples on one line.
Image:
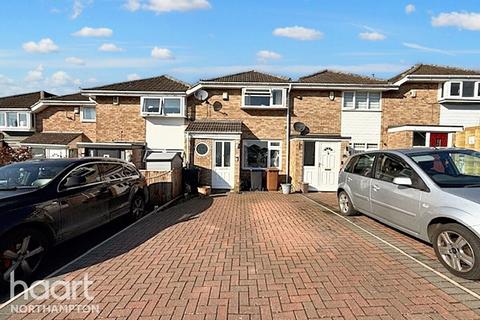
[(9, 155)]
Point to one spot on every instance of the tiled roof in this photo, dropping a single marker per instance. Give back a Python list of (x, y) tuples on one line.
[(328, 76), (60, 138), (434, 70), (222, 126), (25, 100), (162, 83), (69, 97), (250, 76)]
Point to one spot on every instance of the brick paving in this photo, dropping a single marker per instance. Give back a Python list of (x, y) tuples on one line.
[(260, 256)]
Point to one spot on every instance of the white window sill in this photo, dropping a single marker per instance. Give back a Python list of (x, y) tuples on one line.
[(264, 107), (156, 115), (459, 100), (16, 129), (361, 110), (89, 121)]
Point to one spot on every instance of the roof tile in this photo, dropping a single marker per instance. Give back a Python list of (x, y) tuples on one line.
[(25, 100), (60, 138), (218, 126), (162, 83), (250, 76), (336, 77)]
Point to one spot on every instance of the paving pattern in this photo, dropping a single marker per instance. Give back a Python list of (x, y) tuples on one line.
[(261, 256)]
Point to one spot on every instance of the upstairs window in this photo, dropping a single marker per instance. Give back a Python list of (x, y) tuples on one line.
[(164, 106), (14, 119), (263, 97), (361, 100), (455, 89), (88, 114), (468, 89)]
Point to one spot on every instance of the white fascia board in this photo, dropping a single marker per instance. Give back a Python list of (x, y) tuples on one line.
[(426, 128), (41, 105), (214, 136), (340, 87), (44, 145), (132, 93), (435, 78), (321, 139)]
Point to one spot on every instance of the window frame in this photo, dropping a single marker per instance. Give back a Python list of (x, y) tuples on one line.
[(269, 148), (357, 158), (161, 111), (199, 154), (18, 126), (61, 187), (245, 92), (446, 87), (82, 116), (368, 109)]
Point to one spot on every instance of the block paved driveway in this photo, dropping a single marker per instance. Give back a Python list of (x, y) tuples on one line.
[(264, 256)]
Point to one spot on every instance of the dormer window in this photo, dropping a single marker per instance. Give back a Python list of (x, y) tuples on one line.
[(263, 98), (460, 90), (163, 106)]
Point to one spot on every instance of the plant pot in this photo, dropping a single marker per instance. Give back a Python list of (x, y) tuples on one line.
[(286, 188), (304, 187)]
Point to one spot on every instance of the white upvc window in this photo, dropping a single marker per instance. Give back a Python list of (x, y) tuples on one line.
[(88, 114), (361, 100), (357, 147), (460, 89), (163, 106), (14, 120), (262, 154), (263, 98)]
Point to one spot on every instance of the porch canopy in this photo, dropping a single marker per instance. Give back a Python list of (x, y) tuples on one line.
[(215, 126), (59, 139)]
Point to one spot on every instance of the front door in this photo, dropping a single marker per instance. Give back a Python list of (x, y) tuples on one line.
[(222, 173), (321, 165), (438, 140)]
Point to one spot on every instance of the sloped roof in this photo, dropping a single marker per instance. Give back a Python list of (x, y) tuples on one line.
[(249, 76), (435, 70), (329, 76), (60, 138), (218, 126), (69, 97), (161, 83), (25, 100)]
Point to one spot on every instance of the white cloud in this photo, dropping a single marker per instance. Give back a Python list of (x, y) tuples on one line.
[(61, 78), (462, 20), (45, 45), (427, 49), (298, 33), (410, 8), (160, 6), (77, 9), (132, 5), (75, 60), (264, 55), (35, 74), (93, 32), (133, 76), (371, 36), (162, 53), (109, 47)]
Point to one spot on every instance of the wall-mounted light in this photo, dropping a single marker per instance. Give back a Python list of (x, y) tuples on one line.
[(331, 96), (413, 93), (76, 110), (225, 96)]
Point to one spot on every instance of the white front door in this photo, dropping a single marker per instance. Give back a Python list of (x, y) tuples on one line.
[(222, 173), (321, 165), (55, 153)]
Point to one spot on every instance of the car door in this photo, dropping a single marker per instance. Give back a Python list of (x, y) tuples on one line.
[(359, 179), (398, 205), (119, 186), (83, 206)]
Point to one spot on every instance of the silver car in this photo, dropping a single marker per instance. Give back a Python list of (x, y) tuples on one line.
[(431, 194)]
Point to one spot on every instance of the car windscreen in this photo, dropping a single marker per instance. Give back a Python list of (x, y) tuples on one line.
[(28, 175), (451, 168)]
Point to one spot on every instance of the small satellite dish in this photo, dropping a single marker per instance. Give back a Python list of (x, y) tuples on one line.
[(201, 95), (299, 127)]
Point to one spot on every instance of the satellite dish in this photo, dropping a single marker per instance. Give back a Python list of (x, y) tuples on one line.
[(201, 95), (299, 127)]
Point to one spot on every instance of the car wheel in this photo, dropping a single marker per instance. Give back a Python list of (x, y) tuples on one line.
[(345, 205), (137, 207), (458, 249), (21, 253)]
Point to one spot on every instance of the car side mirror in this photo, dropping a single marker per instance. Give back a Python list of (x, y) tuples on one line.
[(402, 181), (74, 181)]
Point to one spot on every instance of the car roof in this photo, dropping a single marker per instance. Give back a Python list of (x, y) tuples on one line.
[(70, 161), (411, 151)]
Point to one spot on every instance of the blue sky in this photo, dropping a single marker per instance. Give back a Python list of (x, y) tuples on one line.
[(61, 45)]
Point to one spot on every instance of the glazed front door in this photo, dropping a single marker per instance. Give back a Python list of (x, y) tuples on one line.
[(222, 173), (321, 165)]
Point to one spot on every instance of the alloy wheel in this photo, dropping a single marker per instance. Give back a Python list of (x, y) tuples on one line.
[(138, 207), (455, 251), (24, 257), (344, 202)]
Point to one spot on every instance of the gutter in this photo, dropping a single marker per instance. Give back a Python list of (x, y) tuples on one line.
[(288, 134)]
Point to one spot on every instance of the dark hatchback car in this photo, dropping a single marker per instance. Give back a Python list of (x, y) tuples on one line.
[(45, 202)]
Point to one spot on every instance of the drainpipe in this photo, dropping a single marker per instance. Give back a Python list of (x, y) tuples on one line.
[(288, 133)]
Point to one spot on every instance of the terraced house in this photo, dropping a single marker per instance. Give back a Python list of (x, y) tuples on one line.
[(234, 126)]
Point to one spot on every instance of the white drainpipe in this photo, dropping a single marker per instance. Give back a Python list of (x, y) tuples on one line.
[(288, 133)]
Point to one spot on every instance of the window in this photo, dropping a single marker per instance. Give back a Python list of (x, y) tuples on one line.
[(130, 171), (362, 146), (89, 114), (389, 168), (261, 154), (309, 153), (201, 149), (263, 98), (419, 139), (364, 164), (112, 171), (14, 119), (455, 89), (362, 100), (468, 90), (90, 172), (2, 119), (166, 106)]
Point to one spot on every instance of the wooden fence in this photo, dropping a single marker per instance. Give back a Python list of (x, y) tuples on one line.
[(163, 186)]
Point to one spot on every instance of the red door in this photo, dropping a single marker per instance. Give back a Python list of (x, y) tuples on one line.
[(439, 140)]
